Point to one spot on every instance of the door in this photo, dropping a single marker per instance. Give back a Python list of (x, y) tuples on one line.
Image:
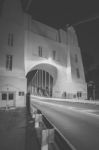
[(3, 99), (11, 99), (8, 99)]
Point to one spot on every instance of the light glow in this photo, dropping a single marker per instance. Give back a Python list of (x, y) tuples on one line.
[(68, 69), (50, 59)]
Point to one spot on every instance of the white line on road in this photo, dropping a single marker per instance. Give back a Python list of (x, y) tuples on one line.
[(85, 111), (68, 142)]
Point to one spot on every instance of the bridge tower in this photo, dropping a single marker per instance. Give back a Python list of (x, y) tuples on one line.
[(28, 47)]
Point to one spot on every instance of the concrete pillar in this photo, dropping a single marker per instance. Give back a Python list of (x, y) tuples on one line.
[(49, 85), (7, 101), (38, 119), (45, 80), (47, 138), (42, 78), (37, 79), (33, 111)]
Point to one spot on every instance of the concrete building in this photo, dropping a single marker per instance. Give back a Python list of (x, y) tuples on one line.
[(37, 58)]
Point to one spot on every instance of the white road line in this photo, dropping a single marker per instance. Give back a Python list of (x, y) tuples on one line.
[(68, 142), (66, 100), (85, 111)]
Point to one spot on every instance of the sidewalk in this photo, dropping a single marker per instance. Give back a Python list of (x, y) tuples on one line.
[(17, 131)]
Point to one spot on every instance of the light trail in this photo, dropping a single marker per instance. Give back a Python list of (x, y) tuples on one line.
[(76, 124), (89, 112)]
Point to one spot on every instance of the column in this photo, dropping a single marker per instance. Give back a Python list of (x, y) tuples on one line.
[(49, 85)]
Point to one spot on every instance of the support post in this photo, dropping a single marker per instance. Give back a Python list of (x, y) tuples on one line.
[(45, 80), (42, 80), (38, 119), (47, 138), (33, 111), (49, 85)]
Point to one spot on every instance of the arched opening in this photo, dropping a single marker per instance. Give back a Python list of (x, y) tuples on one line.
[(42, 79), (40, 82)]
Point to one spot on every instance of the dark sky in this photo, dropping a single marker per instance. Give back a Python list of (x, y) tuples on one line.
[(58, 13)]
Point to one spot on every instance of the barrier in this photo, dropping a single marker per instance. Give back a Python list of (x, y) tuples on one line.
[(47, 138), (47, 134), (38, 120)]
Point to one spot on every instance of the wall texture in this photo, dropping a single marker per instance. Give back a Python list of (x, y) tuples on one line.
[(28, 35)]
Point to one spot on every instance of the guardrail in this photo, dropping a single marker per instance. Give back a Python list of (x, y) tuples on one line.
[(48, 136)]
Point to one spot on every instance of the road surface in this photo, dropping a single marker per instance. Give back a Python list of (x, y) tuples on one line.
[(78, 123)]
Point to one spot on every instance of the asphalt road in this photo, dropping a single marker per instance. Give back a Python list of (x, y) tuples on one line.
[(78, 123)]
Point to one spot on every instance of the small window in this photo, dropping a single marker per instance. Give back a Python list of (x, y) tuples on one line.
[(10, 39), (40, 51), (76, 58), (4, 96), (79, 94), (9, 62), (11, 96), (54, 55), (78, 73), (21, 93)]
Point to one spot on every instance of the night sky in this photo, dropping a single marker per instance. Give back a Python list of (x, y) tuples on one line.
[(58, 13)]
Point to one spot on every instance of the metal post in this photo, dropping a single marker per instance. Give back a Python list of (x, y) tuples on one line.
[(30, 87), (7, 102), (47, 138), (34, 79), (38, 119), (45, 80), (37, 79), (49, 84), (94, 92), (42, 79)]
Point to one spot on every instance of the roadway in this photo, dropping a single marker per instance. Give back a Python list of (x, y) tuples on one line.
[(78, 123)]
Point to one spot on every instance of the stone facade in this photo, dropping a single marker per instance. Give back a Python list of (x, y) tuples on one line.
[(20, 40)]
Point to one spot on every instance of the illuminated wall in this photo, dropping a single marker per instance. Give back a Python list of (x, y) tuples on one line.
[(12, 44), (68, 61), (22, 39)]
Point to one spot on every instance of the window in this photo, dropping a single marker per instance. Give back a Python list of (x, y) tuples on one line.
[(79, 94), (76, 58), (40, 51), (10, 39), (54, 55), (11, 96), (21, 93), (9, 62), (4, 96), (78, 73)]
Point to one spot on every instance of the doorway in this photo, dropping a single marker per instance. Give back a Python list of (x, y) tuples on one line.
[(40, 83), (8, 99)]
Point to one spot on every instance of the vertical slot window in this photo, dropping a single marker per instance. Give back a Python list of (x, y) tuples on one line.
[(76, 58), (54, 55), (9, 62), (78, 73), (40, 51), (10, 39)]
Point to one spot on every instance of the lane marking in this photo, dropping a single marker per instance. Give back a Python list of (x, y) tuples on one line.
[(85, 111), (68, 142), (66, 100)]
